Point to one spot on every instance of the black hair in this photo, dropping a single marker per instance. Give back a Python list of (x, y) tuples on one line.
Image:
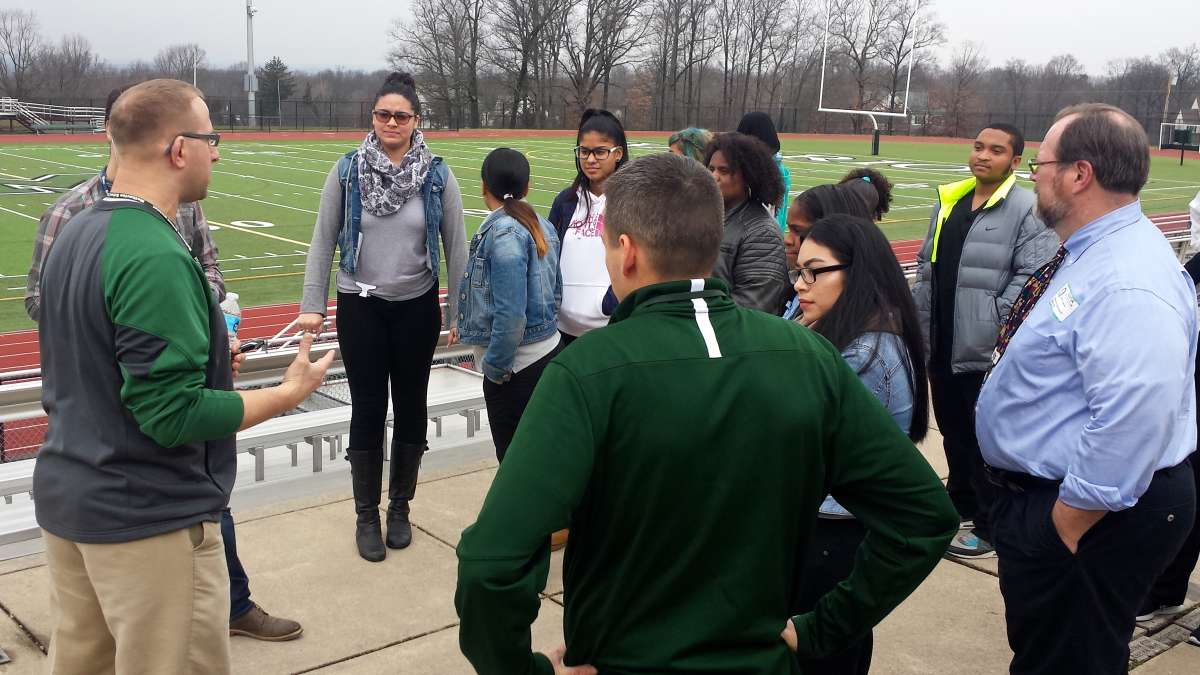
[(505, 174), (822, 201), (600, 121), (875, 298), (112, 99), (404, 85), (760, 126), (753, 160), (873, 187), (1016, 139)]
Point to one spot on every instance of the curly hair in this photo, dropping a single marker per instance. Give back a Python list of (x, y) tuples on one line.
[(753, 161), (873, 187)]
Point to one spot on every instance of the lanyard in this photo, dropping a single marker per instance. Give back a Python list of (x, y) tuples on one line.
[(143, 202)]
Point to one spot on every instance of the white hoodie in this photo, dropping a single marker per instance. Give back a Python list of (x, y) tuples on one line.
[(585, 278)]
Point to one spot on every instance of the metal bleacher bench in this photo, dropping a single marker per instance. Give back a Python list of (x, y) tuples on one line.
[(452, 391), (68, 127)]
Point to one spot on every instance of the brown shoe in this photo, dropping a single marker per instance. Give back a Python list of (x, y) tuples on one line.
[(259, 625), (558, 539)]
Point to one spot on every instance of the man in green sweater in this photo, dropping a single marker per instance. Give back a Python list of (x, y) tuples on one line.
[(137, 380), (690, 492)]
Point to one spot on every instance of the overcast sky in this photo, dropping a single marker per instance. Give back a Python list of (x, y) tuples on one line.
[(311, 34)]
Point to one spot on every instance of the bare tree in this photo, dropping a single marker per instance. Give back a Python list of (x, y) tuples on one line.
[(806, 32), (729, 32), (1016, 77), (65, 67), (913, 28), (1061, 81), (518, 43), (958, 93), (606, 31), (857, 29), (1184, 65), (20, 44), (179, 61), (442, 41)]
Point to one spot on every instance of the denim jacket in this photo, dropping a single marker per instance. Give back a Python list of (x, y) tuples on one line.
[(882, 364), (350, 235), (508, 296)]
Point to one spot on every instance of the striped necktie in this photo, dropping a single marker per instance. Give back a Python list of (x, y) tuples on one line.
[(1033, 289)]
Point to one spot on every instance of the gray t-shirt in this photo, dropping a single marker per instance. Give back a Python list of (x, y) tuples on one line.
[(393, 256)]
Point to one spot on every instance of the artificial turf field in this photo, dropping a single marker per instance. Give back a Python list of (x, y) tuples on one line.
[(264, 194)]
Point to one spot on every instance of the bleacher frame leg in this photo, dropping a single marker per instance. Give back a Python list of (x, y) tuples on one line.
[(316, 446), (295, 448), (260, 464)]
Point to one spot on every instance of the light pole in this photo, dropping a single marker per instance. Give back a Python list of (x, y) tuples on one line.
[(251, 80)]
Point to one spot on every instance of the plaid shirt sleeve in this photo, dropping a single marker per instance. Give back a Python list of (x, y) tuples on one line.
[(71, 203), (205, 250)]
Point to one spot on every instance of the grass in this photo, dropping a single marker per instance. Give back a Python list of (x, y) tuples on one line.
[(264, 195)]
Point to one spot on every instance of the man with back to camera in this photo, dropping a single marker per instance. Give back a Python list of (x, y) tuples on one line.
[(984, 241), (246, 618), (1087, 417), (691, 493), (139, 457)]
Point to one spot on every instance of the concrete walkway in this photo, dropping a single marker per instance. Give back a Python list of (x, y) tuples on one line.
[(398, 616)]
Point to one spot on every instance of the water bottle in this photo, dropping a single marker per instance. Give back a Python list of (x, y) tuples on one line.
[(233, 314)]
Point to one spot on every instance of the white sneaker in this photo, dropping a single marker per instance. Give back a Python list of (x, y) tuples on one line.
[(1161, 610)]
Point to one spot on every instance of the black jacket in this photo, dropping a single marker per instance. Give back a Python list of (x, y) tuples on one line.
[(752, 260)]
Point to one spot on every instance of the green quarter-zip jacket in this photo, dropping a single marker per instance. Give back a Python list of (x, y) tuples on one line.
[(691, 495), (136, 381)]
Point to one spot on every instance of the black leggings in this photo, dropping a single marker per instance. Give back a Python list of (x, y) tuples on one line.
[(506, 402), (382, 340)]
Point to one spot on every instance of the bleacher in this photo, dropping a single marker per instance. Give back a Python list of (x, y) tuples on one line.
[(52, 119)]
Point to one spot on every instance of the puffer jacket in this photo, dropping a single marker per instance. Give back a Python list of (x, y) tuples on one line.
[(752, 260), (1006, 244)]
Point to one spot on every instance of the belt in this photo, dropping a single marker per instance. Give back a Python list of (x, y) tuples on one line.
[(1015, 481)]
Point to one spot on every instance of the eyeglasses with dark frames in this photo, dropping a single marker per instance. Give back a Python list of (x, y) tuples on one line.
[(600, 154), (401, 116), (809, 274), (1034, 164), (213, 139)]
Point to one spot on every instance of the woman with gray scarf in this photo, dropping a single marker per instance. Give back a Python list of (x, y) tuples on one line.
[(386, 205)]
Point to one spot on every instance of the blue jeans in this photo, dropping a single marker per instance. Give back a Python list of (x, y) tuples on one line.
[(239, 584)]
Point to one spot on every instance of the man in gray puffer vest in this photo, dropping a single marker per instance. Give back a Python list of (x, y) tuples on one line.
[(984, 241)]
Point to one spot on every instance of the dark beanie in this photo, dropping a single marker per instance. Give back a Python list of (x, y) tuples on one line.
[(760, 126)]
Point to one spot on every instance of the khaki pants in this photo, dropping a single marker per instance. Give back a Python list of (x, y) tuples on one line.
[(158, 605)]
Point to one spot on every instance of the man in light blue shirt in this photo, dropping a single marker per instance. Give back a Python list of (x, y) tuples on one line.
[(1088, 414)]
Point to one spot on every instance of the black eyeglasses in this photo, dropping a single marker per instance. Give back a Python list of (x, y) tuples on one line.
[(1034, 164), (401, 117), (213, 139), (809, 274), (600, 154)]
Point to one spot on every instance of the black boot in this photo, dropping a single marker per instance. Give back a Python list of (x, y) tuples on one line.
[(366, 469), (402, 485)]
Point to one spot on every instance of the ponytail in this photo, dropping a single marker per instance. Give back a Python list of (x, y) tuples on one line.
[(524, 214)]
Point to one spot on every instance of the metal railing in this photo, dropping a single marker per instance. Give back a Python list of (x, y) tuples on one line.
[(40, 114)]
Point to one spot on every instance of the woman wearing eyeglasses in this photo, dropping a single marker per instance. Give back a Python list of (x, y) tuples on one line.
[(853, 293), (578, 216), (386, 205), (811, 206)]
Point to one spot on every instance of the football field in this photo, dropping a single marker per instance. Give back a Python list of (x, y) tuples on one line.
[(264, 195)]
